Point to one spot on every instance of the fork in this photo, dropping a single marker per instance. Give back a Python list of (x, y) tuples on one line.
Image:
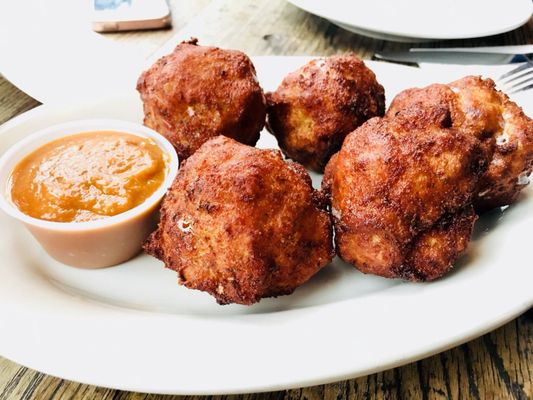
[(518, 79)]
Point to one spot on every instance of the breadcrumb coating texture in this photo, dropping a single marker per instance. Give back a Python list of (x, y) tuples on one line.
[(316, 106), (196, 93), (401, 196), (241, 224), (476, 107)]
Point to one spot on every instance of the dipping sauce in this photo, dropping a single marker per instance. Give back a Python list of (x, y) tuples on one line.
[(87, 176)]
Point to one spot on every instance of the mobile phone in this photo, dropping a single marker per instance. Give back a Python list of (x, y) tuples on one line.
[(127, 15)]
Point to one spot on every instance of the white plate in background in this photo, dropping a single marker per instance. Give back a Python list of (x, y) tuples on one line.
[(50, 52), (422, 19), (132, 327)]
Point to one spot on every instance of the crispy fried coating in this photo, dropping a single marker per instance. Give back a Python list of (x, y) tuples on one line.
[(476, 107), (197, 92), (401, 196), (242, 224), (316, 106)]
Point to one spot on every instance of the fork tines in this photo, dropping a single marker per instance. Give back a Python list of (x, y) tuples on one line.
[(518, 79)]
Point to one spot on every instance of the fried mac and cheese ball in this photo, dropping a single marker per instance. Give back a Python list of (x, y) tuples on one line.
[(241, 224), (401, 196), (197, 92), (316, 106), (475, 106)]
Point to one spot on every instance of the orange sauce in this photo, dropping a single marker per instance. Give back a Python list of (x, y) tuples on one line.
[(87, 176)]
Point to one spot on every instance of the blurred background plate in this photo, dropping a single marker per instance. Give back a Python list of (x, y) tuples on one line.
[(412, 20), (50, 52)]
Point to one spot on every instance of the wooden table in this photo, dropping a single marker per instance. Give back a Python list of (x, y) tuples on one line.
[(498, 365)]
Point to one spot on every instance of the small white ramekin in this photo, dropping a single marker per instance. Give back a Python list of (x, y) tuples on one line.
[(93, 244)]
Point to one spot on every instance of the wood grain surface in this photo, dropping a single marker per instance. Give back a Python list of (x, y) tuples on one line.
[(498, 365)]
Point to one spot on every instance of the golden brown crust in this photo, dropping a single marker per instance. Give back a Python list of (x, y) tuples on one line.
[(434, 251), (476, 107), (316, 106), (198, 92), (242, 224), (401, 196)]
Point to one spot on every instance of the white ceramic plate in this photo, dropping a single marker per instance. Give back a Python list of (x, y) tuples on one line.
[(132, 327), (422, 19), (50, 52)]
